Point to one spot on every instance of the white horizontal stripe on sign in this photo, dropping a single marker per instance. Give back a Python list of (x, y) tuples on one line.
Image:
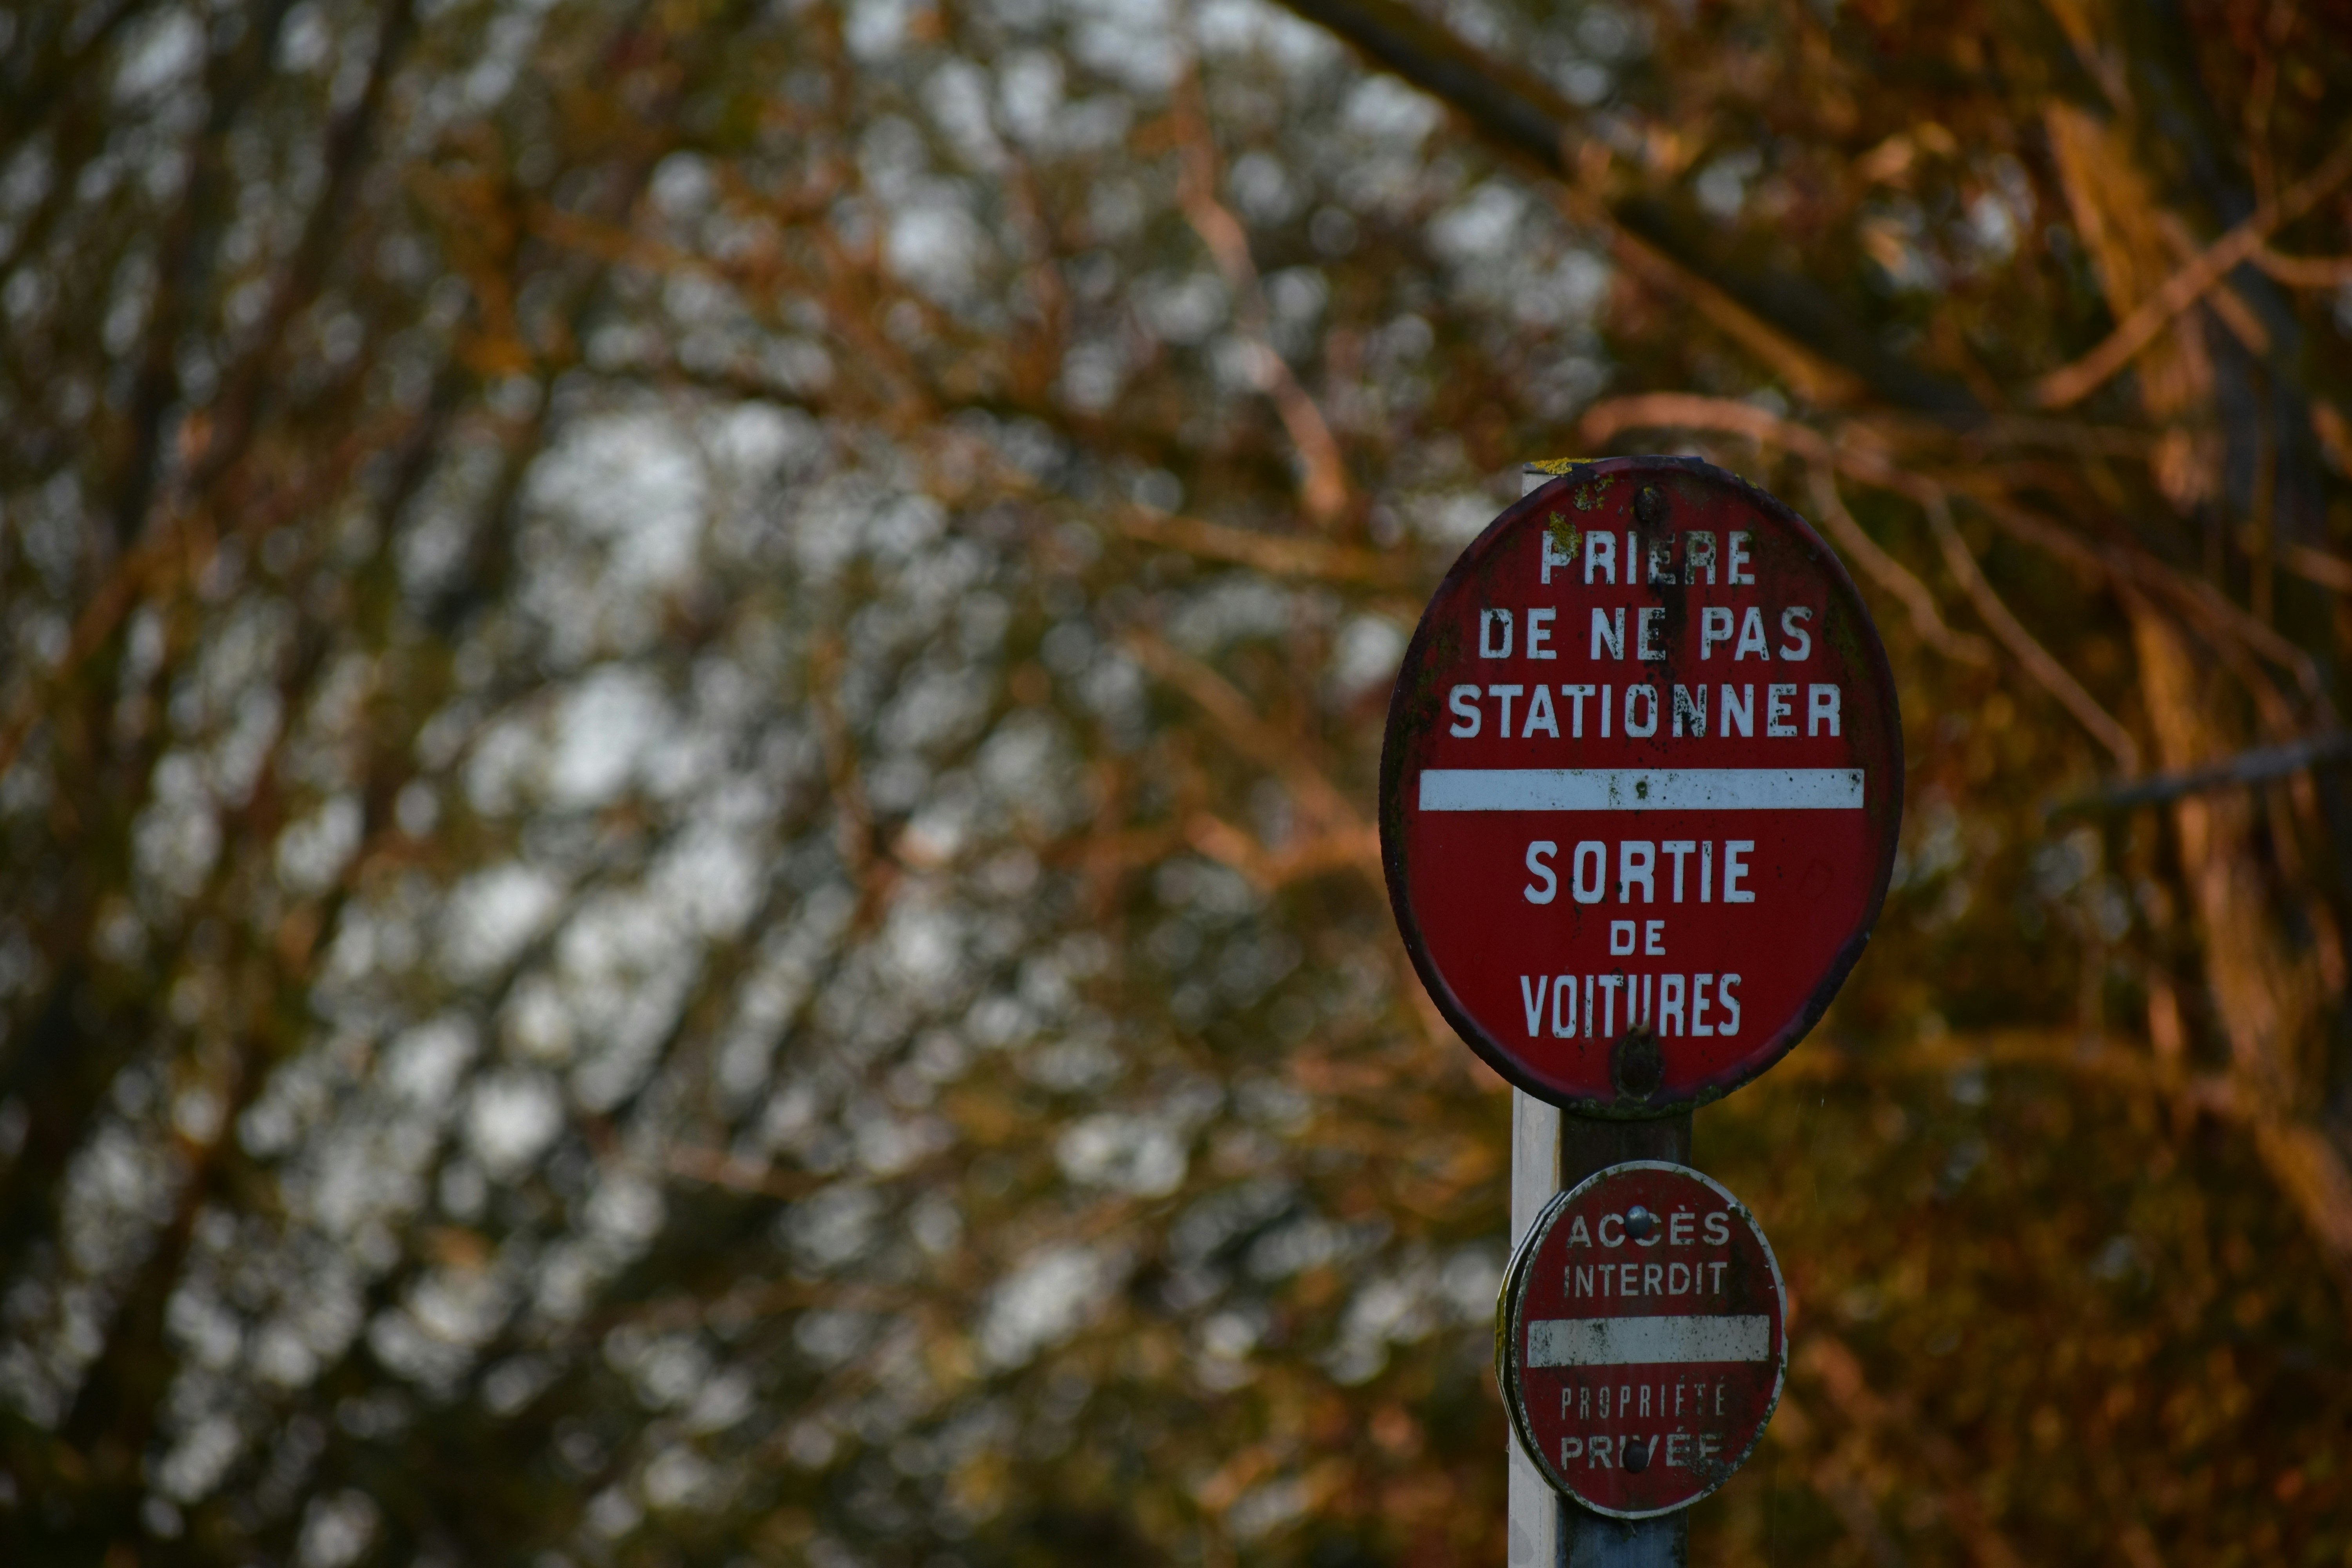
[(1640, 789), (1647, 1341)]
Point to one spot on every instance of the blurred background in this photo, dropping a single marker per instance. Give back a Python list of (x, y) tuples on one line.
[(690, 701)]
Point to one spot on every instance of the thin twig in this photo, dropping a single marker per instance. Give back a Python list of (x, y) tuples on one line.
[(351, 140), (1858, 456), (2133, 566), (1892, 574), (845, 783), (2037, 660), (2305, 272), (1812, 377), (2071, 383), (1323, 489), (717, 1168), (2227, 305), (1279, 753), (2330, 572), (1274, 554), (1691, 411), (1268, 868)]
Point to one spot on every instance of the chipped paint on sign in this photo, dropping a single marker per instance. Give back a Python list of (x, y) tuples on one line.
[(1641, 1339), (1640, 788)]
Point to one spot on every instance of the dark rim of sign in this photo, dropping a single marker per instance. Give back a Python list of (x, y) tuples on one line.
[(1391, 801), (1510, 1312)]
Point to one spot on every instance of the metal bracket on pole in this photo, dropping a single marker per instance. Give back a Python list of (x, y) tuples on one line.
[(1550, 1154)]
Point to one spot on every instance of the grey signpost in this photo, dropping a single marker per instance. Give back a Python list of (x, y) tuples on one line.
[(1706, 887), (1550, 1154)]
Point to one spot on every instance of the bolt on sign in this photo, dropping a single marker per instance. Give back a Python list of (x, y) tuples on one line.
[(1641, 786), (1641, 1339)]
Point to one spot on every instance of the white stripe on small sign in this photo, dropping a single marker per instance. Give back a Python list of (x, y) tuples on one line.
[(1647, 1341), (1640, 789)]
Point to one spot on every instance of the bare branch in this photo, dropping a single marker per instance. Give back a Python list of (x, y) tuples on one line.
[(1805, 372), (1274, 554), (2134, 567), (1270, 868), (2070, 383), (1721, 413), (2298, 1153), (1892, 574), (717, 1168), (1323, 489), (348, 145), (2053, 676), (2330, 572), (1690, 411), (1278, 752), (60, 67), (1794, 330), (232, 79), (1859, 455), (2262, 764), (2305, 272)]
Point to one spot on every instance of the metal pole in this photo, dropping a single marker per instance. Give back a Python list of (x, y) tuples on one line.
[(1550, 1154), (1535, 1536)]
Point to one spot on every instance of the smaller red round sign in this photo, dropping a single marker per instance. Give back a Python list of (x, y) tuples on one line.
[(1641, 1339)]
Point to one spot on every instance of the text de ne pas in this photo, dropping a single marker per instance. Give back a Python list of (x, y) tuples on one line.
[(1733, 633)]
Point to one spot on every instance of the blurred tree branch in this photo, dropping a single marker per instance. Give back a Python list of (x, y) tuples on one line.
[(2260, 764), (1866, 461), (1323, 486), (1891, 575), (1785, 319), (2069, 383), (671, 837), (2023, 645)]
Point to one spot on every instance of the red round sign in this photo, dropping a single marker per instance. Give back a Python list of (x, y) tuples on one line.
[(1641, 788), (1642, 1338)]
